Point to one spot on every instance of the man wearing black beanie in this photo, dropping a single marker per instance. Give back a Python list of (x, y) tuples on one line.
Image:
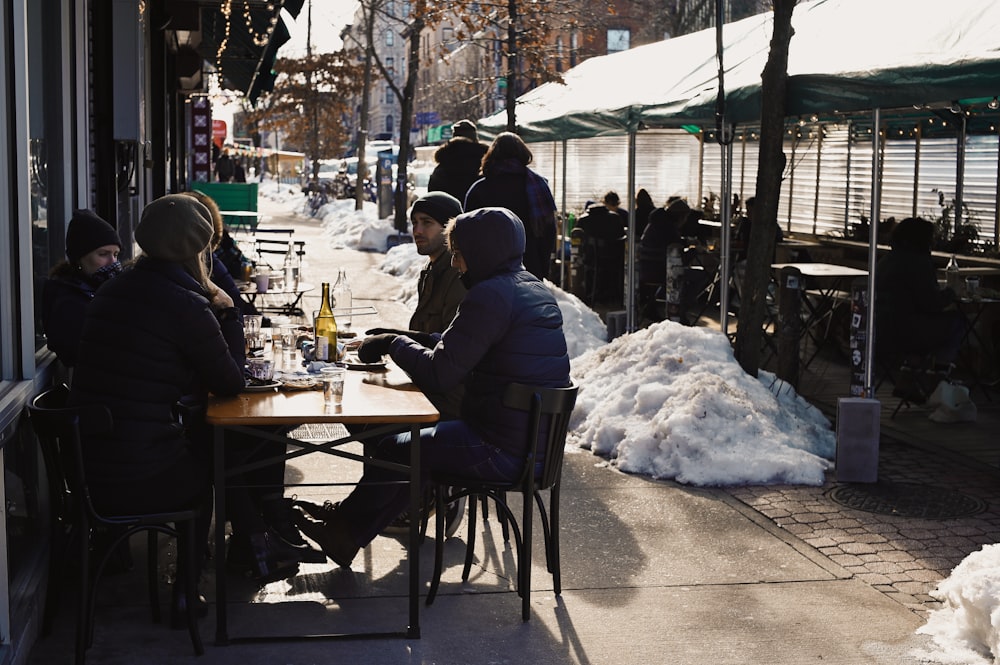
[(439, 287)]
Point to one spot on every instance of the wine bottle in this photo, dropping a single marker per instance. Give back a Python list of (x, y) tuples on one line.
[(325, 326)]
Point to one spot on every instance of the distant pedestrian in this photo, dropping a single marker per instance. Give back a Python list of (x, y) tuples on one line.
[(224, 167), (239, 173), (458, 161), (508, 182)]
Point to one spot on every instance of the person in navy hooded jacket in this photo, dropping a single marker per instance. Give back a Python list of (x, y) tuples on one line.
[(508, 329)]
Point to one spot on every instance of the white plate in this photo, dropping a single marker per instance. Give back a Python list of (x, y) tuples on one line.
[(264, 387)]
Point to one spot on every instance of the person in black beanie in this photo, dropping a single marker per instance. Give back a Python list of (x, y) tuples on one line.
[(92, 248), (458, 161), (439, 287)]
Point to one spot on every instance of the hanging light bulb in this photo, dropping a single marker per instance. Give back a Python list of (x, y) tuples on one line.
[(994, 104)]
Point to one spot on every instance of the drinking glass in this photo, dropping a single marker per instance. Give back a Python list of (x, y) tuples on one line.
[(333, 384)]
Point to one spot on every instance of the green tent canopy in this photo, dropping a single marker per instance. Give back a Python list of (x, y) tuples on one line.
[(846, 57)]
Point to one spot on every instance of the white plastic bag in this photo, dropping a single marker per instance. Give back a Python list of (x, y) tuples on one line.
[(952, 404)]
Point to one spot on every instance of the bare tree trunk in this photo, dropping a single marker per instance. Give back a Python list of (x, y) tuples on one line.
[(359, 188), (749, 334), (512, 64), (406, 121)]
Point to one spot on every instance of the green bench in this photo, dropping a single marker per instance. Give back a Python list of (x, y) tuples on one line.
[(237, 202)]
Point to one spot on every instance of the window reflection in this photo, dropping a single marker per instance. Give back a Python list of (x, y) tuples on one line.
[(38, 180)]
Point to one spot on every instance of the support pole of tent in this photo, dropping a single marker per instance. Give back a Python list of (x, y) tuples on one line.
[(918, 138), (725, 216), (996, 208), (873, 254), (847, 179), (563, 270), (630, 295), (960, 172), (724, 133), (819, 163)]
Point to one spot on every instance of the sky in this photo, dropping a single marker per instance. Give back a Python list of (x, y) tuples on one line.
[(671, 402), (328, 19)]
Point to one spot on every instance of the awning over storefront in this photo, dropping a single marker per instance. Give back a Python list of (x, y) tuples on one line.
[(239, 39)]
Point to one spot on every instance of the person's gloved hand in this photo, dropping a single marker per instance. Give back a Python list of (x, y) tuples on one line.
[(424, 339), (383, 331), (373, 348)]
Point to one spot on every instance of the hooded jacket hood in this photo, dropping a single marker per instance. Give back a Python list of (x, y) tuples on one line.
[(491, 240)]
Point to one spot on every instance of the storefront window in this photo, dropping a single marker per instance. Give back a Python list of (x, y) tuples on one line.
[(39, 15)]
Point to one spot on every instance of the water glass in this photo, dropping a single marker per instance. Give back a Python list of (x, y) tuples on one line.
[(333, 384), (289, 334)]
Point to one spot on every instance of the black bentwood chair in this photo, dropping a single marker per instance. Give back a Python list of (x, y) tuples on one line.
[(549, 411), (58, 428)]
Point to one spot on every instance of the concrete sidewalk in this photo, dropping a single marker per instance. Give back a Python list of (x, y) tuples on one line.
[(653, 572)]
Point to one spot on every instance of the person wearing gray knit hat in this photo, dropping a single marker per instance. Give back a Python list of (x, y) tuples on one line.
[(175, 228)]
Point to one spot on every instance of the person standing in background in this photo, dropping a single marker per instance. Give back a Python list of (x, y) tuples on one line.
[(458, 161), (224, 167), (508, 182)]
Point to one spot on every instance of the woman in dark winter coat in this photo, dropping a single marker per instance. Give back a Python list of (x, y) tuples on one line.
[(508, 182), (508, 329), (458, 161), (160, 335), (92, 248)]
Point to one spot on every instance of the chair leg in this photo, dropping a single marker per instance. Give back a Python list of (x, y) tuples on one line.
[(186, 544), (152, 563), (524, 558), (552, 550), (470, 545), (438, 543), (84, 620), (503, 519)]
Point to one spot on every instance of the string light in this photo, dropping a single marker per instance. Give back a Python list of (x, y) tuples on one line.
[(261, 39), (994, 104)]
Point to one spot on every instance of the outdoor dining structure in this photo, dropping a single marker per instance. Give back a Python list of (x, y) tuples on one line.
[(889, 106)]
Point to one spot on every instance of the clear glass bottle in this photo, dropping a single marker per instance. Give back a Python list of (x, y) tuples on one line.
[(289, 267), (953, 278), (343, 299), (325, 326)]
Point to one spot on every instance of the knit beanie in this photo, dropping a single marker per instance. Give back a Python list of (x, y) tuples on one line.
[(175, 228), (442, 206), (87, 232), (465, 128)]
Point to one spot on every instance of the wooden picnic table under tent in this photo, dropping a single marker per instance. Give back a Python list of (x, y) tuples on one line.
[(853, 65)]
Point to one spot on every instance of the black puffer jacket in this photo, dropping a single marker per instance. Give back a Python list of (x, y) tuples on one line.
[(149, 340), (508, 329), (64, 300), (458, 163)]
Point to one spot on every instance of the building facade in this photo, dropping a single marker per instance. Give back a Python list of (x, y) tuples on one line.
[(97, 111)]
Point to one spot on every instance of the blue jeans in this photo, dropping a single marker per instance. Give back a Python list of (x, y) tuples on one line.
[(450, 446)]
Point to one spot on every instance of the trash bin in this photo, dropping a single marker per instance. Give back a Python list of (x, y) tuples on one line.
[(857, 439)]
